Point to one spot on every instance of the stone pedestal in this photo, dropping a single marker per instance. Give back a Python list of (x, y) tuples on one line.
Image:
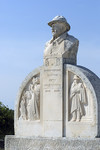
[(57, 52), (22, 143), (53, 98)]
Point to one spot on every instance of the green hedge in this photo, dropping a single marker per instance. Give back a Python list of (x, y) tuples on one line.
[(6, 121)]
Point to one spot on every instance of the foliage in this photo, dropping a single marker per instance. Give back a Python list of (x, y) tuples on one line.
[(6, 121)]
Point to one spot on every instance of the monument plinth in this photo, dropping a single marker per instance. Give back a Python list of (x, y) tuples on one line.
[(58, 104)]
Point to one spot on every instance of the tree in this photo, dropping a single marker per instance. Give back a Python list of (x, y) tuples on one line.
[(6, 121)]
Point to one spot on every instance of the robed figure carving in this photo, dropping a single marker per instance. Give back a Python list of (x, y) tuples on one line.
[(22, 109), (33, 103), (77, 99), (36, 101), (30, 101), (30, 98)]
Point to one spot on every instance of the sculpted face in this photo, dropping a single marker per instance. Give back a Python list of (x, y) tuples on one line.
[(58, 29), (75, 81)]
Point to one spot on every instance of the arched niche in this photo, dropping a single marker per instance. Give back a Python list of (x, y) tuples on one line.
[(89, 123), (24, 123)]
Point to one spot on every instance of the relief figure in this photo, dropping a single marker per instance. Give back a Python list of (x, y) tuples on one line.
[(77, 99), (36, 104), (33, 99), (30, 101), (22, 109), (29, 97)]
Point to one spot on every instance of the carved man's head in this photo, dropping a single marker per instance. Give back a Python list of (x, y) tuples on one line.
[(59, 26)]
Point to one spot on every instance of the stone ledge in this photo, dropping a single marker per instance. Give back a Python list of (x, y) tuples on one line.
[(32, 143)]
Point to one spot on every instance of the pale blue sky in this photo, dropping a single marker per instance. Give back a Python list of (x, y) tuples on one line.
[(24, 32)]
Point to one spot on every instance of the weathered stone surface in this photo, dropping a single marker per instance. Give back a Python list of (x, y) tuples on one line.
[(17, 143), (52, 101), (88, 125), (59, 100), (61, 49), (62, 44), (28, 109), (65, 46)]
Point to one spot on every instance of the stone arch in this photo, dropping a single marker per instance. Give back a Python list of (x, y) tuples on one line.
[(27, 81), (92, 83)]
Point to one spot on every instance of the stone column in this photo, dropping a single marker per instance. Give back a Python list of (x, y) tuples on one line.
[(53, 97), (56, 54)]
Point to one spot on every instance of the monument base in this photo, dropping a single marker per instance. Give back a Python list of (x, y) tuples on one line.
[(13, 142)]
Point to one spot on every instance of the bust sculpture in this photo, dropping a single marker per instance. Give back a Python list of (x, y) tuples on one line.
[(61, 44)]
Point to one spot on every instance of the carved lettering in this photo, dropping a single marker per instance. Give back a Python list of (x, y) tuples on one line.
[(57, 91), (47, 90), (52, 86), (52, 80), (52, 74)]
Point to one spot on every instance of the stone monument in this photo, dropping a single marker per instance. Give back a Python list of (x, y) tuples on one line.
[(58, 104)]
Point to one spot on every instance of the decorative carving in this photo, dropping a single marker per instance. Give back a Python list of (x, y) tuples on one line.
[(47, 62), (77, 99), (61, 44), (22, 109), (59, 26), (57, 61), (36, 89), (30, 101)]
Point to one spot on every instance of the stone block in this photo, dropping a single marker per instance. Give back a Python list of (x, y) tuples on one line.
[(33, 143)]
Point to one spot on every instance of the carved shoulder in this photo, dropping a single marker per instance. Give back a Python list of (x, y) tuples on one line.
[(72, 40)]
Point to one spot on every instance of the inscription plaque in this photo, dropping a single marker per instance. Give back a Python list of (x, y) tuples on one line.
[(52, 99)]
